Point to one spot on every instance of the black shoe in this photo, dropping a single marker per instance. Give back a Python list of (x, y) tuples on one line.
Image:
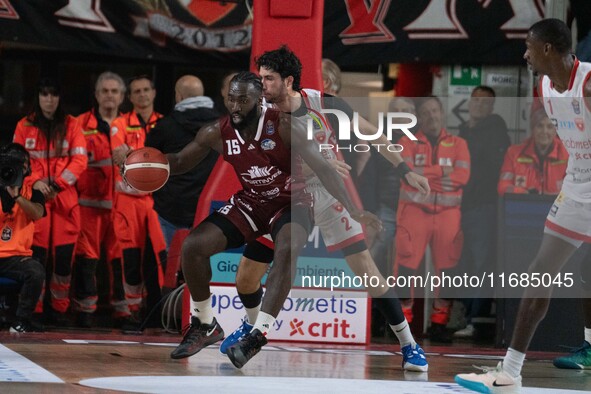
[(131, 325), (439, 333), (57, 319), (84, 320), (246, 348), (197, 336), (23, 325)]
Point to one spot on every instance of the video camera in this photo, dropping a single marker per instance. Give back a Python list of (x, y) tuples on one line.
[(12, 166)]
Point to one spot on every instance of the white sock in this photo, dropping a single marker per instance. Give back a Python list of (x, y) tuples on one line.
[(588, 335), (253, 313), (202, 310), (403, 334), (264, 323), (513, 362)]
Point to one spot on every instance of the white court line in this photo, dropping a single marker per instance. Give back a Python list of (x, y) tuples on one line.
[(16, 368)]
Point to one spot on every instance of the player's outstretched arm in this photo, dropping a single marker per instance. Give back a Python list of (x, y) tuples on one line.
[(293, 133), (208, 137)]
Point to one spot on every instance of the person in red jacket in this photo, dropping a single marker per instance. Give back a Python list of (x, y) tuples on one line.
[(538, 164), (136, 222), (58, 157), (433, 220), (96, 195)]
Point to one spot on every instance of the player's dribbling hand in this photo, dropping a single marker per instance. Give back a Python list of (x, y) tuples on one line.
[(367, 218), (417, 181)]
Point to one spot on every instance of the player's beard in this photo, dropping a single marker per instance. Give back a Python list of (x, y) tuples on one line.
[(250, 118)]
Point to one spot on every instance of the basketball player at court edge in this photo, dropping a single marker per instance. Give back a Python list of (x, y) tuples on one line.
[(565, 90), (273, 201), (280, 71)]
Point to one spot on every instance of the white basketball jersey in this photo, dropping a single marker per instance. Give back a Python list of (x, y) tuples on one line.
[(572, 119)]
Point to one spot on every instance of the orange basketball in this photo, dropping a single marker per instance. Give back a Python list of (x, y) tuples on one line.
[(146, 169)]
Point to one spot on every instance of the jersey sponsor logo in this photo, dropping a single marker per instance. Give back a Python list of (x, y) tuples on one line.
[(271, 193), (576, 106), (259, 176), (251, 147), (270, 127), (268, 144), (320, 136), (338, 207), (6, 234), (30, 143)]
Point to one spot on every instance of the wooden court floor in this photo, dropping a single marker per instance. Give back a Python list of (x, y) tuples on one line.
[(77, 361)]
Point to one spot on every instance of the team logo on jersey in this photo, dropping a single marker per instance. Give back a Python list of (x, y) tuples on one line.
[(580, 124), (316, 122), (114, 130), (270, 127), (6, 234), (268, 144), (576, 106), (420, 159), (320, 136), (30, 143)]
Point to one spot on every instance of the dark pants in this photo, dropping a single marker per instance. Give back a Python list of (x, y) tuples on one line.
[(478, 255), (31, 274), (381, 250)]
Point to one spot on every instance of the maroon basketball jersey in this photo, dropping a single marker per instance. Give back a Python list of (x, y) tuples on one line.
[(264, 164)]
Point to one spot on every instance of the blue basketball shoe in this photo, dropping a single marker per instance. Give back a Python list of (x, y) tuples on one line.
[(234, 337), (413, 359)]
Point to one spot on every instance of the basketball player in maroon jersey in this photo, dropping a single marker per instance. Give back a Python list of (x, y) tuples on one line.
[(257, 142)]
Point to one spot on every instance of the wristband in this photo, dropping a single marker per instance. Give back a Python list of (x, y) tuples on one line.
[(402, 169)]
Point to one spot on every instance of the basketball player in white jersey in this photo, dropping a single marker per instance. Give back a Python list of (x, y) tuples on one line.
[(565, 89)]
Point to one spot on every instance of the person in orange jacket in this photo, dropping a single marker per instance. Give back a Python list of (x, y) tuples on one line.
[(58, 157), (96, 195), (136, 222), (538, 164), (433, 220)]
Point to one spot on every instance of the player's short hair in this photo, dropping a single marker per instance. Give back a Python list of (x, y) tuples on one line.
[(248, 77), (284, 62), (332, 73), (554, 32), (484, 88)]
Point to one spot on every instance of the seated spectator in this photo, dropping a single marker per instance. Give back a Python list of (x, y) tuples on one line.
[(538, 164), (21, 206)]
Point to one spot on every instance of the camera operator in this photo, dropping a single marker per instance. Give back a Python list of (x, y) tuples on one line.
[(21, 206)]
